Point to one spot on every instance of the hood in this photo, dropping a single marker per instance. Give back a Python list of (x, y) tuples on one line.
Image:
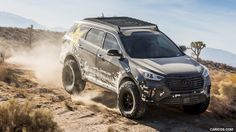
[(170, 66)]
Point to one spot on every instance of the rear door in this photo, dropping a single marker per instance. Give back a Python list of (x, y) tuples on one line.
[(109, 66), (88, 49)]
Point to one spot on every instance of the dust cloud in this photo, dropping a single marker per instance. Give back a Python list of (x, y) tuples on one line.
[(43, 59), (87, 99)]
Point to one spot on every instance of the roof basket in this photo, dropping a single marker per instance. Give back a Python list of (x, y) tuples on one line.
[(124, 23)]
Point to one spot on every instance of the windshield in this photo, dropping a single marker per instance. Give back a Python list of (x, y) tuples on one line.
[(149, 45)]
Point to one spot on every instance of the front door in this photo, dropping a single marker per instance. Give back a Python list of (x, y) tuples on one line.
[(109, 66)]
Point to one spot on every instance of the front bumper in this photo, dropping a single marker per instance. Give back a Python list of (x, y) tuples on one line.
[(159, 93), (191, 97)]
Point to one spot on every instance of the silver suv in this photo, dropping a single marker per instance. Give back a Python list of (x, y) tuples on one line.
[(137, 61)]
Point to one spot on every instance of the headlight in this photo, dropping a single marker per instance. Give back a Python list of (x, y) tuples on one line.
[(205, 72), (149, 75)]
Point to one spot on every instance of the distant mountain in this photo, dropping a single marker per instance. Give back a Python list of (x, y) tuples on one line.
[(12, 20), (218, 55), (58, 29)]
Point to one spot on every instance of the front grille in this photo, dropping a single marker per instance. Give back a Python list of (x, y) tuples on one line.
[(184, 83)]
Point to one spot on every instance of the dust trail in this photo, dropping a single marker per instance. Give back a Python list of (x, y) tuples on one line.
[(43, 59), (86, 99)]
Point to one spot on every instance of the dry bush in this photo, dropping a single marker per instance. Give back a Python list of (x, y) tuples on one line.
[(223, 100), (19, 78), (2, 58), (2, 72), (18, 117)]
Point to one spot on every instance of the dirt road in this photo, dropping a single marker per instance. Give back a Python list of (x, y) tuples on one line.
[(95, 109)]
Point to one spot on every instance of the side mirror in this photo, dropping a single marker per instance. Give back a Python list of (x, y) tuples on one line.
[(113, 52), (183, 48)]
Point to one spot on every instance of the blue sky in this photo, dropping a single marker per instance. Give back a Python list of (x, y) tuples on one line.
[(211, 21)]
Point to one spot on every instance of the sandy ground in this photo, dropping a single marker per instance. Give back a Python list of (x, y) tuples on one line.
[(95, 109)]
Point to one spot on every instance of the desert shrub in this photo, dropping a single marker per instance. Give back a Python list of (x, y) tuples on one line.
[(223, 100), (2, 71), (22, 117), (16, 77), (1, 59)]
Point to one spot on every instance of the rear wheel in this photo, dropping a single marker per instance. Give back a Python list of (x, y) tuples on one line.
[(71, 77), (130, 102), (197, 108)]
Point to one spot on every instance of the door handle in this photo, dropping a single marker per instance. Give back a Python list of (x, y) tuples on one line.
[(81, 46)]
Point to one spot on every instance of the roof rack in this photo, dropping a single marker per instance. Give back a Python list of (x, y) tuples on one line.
[(124, 23)]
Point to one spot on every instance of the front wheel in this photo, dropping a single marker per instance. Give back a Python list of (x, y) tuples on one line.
[(197, 108), (130, 102), (71, 77)]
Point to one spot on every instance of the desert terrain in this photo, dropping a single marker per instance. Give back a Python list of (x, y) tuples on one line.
[(33, 74)]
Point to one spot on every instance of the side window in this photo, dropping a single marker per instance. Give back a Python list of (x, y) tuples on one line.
[(80, 32), (110, 42), (73, 28), (95, 36), (83, 31)]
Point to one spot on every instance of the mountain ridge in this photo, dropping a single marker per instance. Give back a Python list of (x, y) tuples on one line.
[(8, 19), (219, 55), (13, 20)]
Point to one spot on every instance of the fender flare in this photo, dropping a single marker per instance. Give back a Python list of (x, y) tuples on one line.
[(128, 76)]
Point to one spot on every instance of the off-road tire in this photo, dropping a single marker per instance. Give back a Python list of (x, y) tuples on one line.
[(138, 108), (197, 108), (71, 77)]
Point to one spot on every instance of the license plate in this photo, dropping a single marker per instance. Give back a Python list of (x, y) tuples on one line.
[(186, 100)]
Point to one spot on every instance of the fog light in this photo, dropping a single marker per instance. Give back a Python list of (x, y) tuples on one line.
[(159, 93)]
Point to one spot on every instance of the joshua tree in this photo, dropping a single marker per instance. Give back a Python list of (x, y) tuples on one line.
[(197, 47)]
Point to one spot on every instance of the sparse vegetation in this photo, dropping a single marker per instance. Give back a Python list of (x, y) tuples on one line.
[(15, 77), (196, 48), (1, 58), (22, 117), (223, 101), (20, 36), (218, 66), (2, 72), (2, 54)]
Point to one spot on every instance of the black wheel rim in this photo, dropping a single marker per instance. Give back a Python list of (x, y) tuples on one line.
[(68, 77), (127, 101)]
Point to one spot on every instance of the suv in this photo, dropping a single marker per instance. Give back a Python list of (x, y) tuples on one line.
[(137, 61)]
